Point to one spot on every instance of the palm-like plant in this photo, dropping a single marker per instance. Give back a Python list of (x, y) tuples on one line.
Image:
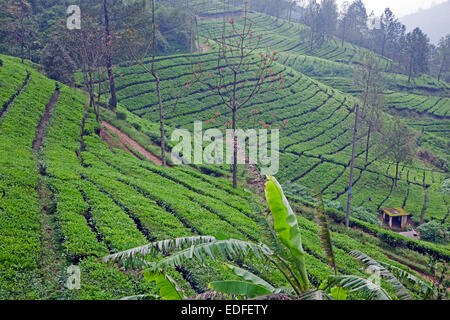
[(177, 252)]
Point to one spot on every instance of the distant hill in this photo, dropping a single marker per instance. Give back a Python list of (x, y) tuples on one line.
[(433, 21)]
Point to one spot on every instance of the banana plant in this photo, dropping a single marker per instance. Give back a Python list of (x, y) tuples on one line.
[(176, 252), (398, 278)]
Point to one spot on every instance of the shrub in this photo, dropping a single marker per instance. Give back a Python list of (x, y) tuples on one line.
[(137, 126), (121, 115), (366, 215), (445, 186), (431, 231), (333, 205)]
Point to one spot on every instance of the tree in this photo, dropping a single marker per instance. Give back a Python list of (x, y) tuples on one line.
[(291, 7), (87, 44), (368, 78), (399, 144), (443, 51), (20, 12), (236, 47), (417, 49), (356, 18), (329, 16), (138, 52), (343, 21), (431, 231), (313, 19), (108, 56), (390, 29), (352, 166), (57, 61)]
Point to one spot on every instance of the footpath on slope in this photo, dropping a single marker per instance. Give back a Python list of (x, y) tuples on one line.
[(50, 262), (128, 142), (37, 143)]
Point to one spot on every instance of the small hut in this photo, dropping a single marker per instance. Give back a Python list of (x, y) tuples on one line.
[(397, 216)]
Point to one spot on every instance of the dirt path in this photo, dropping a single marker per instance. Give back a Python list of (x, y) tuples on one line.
[(128, 142), (50, 263), (37, 143)]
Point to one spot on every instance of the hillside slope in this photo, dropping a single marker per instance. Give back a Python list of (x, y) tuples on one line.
[(315, 145), (72, 199)]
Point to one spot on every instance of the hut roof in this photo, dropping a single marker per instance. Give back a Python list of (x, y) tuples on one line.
[(395, 212)]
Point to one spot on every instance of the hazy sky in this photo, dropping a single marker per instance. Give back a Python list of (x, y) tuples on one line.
[(399, 7)]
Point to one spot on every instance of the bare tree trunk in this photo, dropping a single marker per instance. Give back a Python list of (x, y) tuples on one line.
[(368, 142), (99, 95), (410, 68), (108, 58), (197, 33), (161, 121), (352, 165), (234, 132), (22, 40), (343, 34), (158, 88), (396, 173), (441, 68)]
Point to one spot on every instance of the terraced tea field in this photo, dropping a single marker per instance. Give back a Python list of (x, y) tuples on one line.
[(104, 201), (315, 145), (71, 198)]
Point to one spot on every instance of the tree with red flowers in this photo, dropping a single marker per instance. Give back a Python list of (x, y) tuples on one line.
[(241, 58)]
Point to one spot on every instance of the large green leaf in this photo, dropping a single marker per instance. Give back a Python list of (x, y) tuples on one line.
[(409, 279), (356, 284), (286, 225), (325, 234), (401, 292), (247, 275), (134, 257), (239, 288), (223, 248), (339, 293), (168, 288)]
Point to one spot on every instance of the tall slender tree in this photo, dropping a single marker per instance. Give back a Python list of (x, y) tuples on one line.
[(400, 144), (443, 55), (138, 48), (236, 46), (417, 47), (352, 166), (20, 11), (108, 55), (368, 78), (328, 17)]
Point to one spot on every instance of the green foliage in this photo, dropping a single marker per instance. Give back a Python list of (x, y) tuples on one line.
[(366, 215), (286, 225), (168, 288), (431, 231), (121, 115), (356, 284)]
